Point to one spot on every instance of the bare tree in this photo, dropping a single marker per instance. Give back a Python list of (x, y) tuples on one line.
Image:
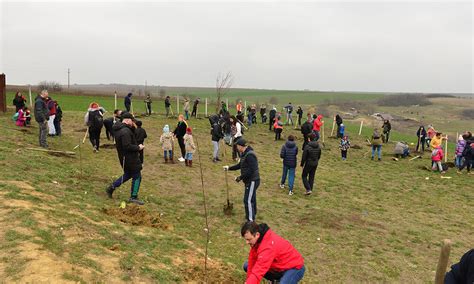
[(223, 84)]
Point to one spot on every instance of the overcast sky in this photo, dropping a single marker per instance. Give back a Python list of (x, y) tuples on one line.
[(352, 46)]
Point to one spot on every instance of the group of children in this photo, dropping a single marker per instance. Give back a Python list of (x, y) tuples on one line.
[(167, 144)]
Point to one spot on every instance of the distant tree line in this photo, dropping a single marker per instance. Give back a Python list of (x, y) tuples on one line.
[(404, 100)]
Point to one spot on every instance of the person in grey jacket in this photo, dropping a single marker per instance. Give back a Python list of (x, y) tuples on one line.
[(249, 174), (42, 117)]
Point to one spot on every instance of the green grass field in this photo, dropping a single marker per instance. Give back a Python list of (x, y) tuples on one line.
[(366, 222)]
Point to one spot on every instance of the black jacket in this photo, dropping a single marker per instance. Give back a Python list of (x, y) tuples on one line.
[(272, 114), (248, 166), (338, 119), (41, 110), (311, 154), (299, 112), (421, 132), (140, 135), (127, 101), (127, 148), (463, 271), (59, 114), (180, 129), (289, 153), (306, 128), (216, 132), (167, 102)]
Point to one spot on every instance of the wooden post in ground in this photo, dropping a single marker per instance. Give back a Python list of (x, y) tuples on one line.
[(322, 131), (360, 129), (446, 149), (333, 125), (245, 108), (3, 93), (131, 108), (177, 105), (115, 98), (227, 104), (31, 100), (443, 261), (206, 108)]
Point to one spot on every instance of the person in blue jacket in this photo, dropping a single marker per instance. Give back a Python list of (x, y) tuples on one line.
[(288, 154)]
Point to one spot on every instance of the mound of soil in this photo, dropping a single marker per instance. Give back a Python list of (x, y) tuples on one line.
[(217, 272), (137, 216), (83, 130), (355, 146)]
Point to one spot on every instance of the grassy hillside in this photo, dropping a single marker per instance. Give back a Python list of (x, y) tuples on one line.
[(366, 222)]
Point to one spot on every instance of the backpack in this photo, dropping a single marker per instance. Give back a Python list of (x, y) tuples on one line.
[(96, 120), (434, 152), (15, 116)]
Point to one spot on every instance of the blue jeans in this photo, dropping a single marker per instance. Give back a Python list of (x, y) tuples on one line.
[(379, 150), (285, 277), (188, 156), (458, 161), (249, 119), (170, 152), (291, 176)]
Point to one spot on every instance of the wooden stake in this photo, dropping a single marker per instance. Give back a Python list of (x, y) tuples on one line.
[(360, 129), (245, 108), (206, 107), (85, 135), (131, 107), (31, 101), (446, 150), (322, 132), (443, 261), (177, 105), (115, 97), (51, 151), (333, 125)]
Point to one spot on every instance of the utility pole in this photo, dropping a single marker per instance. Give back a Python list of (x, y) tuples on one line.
[(68, 77)]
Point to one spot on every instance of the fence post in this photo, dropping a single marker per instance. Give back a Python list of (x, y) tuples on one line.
[(206, 108), (245, 108), (177, 105)]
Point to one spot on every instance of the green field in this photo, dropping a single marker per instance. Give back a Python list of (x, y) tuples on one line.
[(366, 222)]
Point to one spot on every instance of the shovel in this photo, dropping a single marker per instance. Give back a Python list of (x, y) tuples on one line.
[(229, 206)]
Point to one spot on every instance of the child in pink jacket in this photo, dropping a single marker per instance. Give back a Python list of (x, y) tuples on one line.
[(436, 157)]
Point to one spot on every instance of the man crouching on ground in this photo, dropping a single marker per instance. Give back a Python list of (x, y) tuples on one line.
[(128, 154), (271, 256)]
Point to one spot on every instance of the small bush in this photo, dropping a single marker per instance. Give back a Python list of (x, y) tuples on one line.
[(433, 96), (403, 100)]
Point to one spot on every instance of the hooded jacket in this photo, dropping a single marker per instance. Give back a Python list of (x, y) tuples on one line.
[(386, 127), (127, 101), (460, 147), (421, 132), (311, 154), (289, 153), (437, 154), (248, 166), (435, 142), (271, 253), (189, 143), (41, 110), (127, 147), (167, 141), (306, 128), (338, 119), (317, 123)]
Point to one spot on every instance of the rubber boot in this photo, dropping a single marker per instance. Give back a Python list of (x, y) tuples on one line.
[(190, 163), (166, 160), (171, 160), (186, 162)]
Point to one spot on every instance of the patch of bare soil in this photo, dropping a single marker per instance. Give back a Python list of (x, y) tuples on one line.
[(193, 269), (107, 146), (137, 216)]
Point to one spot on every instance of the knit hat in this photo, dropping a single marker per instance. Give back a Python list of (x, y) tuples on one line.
[(166, 129), (94, 105), (189, 130)]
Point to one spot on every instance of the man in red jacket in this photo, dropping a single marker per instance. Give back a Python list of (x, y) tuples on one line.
[(271, 256)]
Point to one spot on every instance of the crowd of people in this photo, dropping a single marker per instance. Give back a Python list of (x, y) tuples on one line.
[(271, 257)]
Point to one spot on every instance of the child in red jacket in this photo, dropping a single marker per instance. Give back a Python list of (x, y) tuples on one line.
[(436, 158)]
